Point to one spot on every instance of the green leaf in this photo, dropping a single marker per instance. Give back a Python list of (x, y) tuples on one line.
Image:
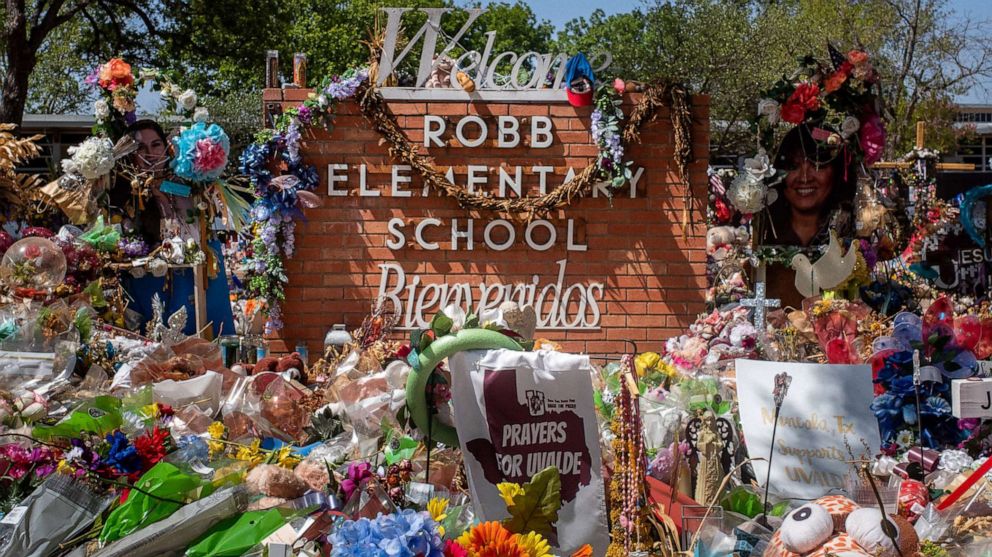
[(407, 446), (779, 509), (471, 321), (441, 324), (743, 501), (536, 509)]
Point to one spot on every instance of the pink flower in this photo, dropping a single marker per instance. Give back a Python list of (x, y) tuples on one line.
[(210, 156), (619, 86), (872, 139)]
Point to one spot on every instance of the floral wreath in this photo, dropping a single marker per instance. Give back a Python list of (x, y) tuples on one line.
[(115, 109), (837, 102)]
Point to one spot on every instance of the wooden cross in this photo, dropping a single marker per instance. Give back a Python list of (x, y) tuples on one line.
[(921, 134), (760, 305)]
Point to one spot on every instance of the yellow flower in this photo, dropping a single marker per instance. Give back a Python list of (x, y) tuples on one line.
[(645, 362), (216, 431), (667, 369), (65, 468), (285, 458), (509, 490), (438, 509), (251, 454), (150, 411), (534, 544)]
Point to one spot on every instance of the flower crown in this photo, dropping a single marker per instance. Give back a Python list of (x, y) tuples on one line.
[(837, 102)]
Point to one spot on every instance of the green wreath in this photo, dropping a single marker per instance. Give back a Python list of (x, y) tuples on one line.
[(428, 359)]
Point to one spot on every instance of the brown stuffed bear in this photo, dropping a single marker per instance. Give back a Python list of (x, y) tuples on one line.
[(278, 365), (835, 525)]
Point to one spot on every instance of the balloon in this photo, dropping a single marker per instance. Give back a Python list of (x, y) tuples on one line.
[(416, 383), (967, 331), (967, 204), (33, 263)]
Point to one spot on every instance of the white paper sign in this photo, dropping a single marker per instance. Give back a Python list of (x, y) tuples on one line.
[(518, 413), (826, 405)]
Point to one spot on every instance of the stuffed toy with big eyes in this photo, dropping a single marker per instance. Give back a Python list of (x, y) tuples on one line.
[(836, 525)]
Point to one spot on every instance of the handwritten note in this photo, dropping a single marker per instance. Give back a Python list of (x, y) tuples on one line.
[(824, 418)]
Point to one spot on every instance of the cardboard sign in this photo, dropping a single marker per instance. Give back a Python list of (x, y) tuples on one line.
[(826, 405), (518, 413), (971, 398)]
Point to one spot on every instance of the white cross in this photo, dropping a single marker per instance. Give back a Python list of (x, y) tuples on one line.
[(760, 305)]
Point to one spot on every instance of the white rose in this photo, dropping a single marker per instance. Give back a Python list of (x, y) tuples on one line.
[(201, 114), (747, 193), (187, 100), (769, 109), (759, 166), (850, 126), (101, 109)]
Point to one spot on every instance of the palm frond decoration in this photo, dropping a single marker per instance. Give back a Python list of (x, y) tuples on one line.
[(16, 187)]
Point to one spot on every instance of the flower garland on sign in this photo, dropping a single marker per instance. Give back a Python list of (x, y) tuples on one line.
[(282, 185), (374, 109), (606, 133)]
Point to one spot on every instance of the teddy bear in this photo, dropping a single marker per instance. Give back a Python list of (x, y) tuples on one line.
[(720, 241), (292, 362), (836, 525)]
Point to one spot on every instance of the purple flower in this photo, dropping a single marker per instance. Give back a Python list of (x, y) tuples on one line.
[(358, 473)]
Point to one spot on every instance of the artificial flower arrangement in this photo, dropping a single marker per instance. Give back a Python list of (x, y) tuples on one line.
[(283, 185), (118, 86), (607, 132)]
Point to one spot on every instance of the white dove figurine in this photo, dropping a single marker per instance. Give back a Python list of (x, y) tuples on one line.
[(828, 272)]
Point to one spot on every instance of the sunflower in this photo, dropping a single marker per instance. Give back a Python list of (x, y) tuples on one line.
[(534, 544)]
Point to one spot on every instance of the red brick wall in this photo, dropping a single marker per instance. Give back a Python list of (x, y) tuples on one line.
[(654, 277)]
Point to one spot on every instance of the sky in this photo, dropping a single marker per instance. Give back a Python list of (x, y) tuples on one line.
[(558, 12)]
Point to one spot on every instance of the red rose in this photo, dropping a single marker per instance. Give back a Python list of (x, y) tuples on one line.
[(723, 212), (793, 113), (806, 96)]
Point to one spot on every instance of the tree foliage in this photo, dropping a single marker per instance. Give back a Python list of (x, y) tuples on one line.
[(733, 50)]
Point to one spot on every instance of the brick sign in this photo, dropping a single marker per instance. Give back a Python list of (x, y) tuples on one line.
[(597, 272)]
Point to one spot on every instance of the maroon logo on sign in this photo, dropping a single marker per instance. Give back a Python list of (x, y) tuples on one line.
[(527, 438)]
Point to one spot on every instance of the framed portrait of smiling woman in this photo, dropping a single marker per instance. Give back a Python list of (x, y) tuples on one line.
[(814, 198)]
